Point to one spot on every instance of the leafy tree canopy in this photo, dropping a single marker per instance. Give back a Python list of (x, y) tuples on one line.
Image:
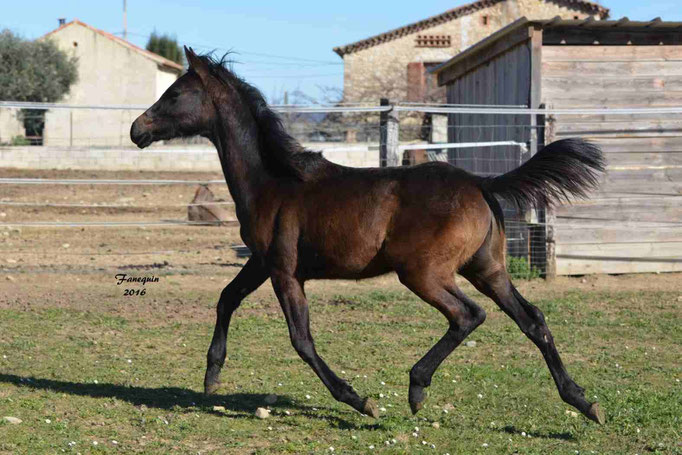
[(34, 70), (166, 46)]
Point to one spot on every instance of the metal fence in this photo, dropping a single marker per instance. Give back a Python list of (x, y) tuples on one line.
[(471, 137)]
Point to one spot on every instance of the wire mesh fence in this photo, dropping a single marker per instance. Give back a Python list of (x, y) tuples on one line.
[(643, 148)]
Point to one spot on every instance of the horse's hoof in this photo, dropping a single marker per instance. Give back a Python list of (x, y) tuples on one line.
[(595, 413), (211, 387), (369, 407), (416, 398), (415, 406)]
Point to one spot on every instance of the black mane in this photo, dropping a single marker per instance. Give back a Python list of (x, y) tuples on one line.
[(281, 153)]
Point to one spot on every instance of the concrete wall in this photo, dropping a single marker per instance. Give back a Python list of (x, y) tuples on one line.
[(381, 71), (188, 158), (108, 73), (10, 126)]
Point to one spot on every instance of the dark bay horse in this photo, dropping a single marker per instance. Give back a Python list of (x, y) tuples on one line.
[(304, 218)]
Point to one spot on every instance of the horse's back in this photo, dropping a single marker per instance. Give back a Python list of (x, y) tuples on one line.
[(366, 222)]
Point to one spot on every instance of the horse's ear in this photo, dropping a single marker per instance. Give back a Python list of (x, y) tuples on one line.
[(197, 64)]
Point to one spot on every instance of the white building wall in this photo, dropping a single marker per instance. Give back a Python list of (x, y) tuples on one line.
[(108, 73)]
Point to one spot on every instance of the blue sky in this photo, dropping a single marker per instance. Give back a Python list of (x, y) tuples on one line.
[(279, 45)]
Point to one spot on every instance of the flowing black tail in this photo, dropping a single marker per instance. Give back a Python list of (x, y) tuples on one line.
[(566, 168)]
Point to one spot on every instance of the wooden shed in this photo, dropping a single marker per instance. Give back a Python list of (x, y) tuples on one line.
[(634, 222)]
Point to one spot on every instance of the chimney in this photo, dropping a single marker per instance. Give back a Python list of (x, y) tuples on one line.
[(62, 21)]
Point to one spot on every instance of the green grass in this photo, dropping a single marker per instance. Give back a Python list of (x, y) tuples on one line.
[(100, 376)]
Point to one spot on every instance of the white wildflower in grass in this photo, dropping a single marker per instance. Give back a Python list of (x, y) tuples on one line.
[(308, 397), (382, 409), (415, 434), (48, 421), (485, 444), (382, 383), (393, 441), (371, 447), (480, 395), (114, 442), (523, 433), (381, 395), (416, 429), (94, 443), (331, 449), (353, 437)]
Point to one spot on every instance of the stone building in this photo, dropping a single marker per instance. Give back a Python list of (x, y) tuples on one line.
[(395, 64), (111, 71)]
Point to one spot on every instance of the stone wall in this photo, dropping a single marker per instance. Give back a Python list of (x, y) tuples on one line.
[(381, 71)]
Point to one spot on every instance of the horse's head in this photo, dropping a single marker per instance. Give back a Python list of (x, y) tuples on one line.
[(185, 109)]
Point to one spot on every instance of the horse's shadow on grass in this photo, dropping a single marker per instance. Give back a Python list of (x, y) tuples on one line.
[(510, 429), (241, 405)]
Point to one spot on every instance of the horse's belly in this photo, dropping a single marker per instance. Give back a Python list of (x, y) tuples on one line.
[(352, 260)]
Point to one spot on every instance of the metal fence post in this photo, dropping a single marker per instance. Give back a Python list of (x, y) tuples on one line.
[(388, 136)]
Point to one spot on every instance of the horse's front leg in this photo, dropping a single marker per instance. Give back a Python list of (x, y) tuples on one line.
[(290, 293), (251, 276)]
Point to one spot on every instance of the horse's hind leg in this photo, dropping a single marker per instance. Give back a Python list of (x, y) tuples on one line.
[(463, 315), (487, 273), (250, 277)]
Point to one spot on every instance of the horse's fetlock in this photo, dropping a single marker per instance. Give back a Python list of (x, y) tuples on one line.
[(419, 377)]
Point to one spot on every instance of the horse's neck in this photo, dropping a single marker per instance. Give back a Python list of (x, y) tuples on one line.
[(237, 144)]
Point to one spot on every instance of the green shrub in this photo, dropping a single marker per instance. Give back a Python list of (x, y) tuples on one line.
[(20, 140), (520, 269)]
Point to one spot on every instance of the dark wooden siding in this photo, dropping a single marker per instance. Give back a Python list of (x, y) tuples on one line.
[(504, 80)]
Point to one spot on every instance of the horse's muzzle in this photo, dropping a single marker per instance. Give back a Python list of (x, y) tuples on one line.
[(140, 132)]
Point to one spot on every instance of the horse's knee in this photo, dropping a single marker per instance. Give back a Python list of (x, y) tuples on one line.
[(304, 348), (229, 300)]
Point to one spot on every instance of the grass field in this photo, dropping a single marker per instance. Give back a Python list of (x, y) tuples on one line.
[(102, 368), (83, 366)]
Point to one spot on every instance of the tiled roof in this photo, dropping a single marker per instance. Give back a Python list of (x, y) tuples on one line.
[(449, 15), (151, 55)]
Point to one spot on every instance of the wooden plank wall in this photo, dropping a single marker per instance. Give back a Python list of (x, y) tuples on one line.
[(634, 223), (502, 81)]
